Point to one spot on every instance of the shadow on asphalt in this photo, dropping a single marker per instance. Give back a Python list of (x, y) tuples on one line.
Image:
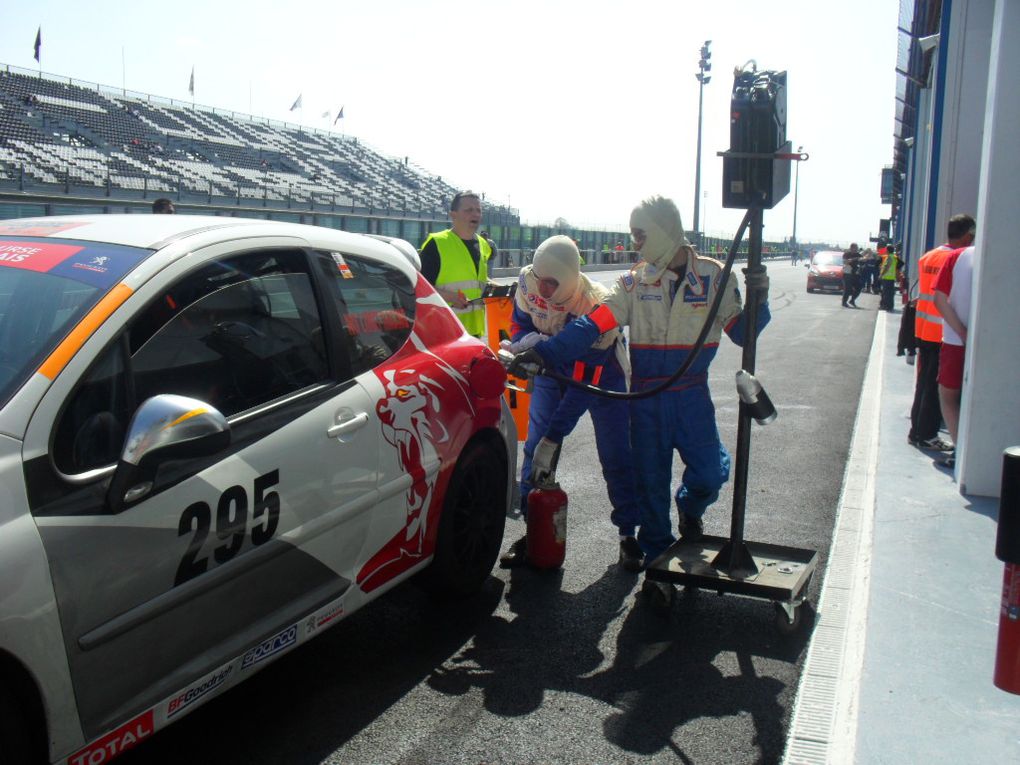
[(698, 660), (664, 670)]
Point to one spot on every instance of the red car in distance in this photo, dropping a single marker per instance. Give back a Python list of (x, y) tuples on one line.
[(825, 271)]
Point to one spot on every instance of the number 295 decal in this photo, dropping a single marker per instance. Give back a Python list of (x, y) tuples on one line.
[(231, 525)]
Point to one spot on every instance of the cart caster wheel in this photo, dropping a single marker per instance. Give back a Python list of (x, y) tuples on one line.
[(784, 625), (658, 594)]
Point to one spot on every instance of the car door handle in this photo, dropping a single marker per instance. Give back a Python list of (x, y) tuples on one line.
[(348, 426)]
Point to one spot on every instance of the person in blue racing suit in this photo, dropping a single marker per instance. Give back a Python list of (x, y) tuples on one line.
[(664, 301), (550, 293)]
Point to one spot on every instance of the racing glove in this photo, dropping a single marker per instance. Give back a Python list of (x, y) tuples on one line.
[(758, 281), (527, 364), (543, 463), (530, 340)]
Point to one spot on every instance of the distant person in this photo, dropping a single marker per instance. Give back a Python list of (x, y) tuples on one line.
[(888, 273), (926, 413), (869, 271), (495, 256), (455, 262), (163, 206), (953, 291), (851, 276)]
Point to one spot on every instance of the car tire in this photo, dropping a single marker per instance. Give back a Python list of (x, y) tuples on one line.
[(16, 743), (472, 522), (810, 290)]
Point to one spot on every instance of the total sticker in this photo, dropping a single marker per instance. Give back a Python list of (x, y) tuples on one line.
[(341, 264)]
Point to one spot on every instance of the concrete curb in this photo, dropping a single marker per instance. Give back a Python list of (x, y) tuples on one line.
[(824, 724)]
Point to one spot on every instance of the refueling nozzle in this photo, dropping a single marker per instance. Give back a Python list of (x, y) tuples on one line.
[(758, 403)]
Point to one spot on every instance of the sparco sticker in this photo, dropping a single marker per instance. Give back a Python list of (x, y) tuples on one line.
[(270, 646), (115, 743)]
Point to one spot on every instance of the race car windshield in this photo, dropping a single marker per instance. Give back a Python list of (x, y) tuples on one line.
[(828, 259), (46, 287), (36, 312)]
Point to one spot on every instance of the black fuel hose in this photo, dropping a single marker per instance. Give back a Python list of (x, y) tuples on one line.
[(698, 344)]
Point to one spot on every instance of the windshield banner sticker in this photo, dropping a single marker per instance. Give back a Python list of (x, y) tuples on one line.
[(35, 256), (98, 265)]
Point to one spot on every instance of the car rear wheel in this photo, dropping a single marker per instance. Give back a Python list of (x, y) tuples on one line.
[(471, 526)]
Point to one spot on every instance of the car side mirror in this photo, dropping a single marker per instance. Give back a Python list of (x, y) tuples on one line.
[(164, 427)]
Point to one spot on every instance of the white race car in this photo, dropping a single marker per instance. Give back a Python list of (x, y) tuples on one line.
[(219, 437)]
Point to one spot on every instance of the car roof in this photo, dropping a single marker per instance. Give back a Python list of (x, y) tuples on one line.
[(154, 232)]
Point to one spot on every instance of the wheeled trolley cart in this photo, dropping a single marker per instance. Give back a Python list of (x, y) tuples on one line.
[(780, 574)]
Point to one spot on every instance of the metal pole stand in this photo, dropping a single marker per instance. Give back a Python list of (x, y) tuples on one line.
[(732, 565)]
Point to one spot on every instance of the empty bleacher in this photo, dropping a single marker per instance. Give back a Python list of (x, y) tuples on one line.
[(58, 132)]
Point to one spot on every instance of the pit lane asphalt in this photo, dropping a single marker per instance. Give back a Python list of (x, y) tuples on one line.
[(575, 666)]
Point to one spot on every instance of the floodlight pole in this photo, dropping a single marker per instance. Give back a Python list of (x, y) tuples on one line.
[(703, 79)]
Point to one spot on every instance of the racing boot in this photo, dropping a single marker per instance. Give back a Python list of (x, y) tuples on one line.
[(691, 529), (516, 555), (631, 556)]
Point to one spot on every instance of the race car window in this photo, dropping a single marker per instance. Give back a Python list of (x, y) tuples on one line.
[(235, 334), (376, 304)]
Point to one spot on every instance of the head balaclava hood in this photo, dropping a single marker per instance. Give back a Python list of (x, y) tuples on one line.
[(557, 258), (664, 233)]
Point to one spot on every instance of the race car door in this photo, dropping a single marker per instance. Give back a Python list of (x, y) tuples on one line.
[(227, 549)]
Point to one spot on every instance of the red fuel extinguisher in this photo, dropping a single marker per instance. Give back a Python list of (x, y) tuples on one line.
[(1007, 549), (547, 526)]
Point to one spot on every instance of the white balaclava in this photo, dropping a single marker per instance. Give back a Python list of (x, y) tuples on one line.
[(557, 258), (664, 233)]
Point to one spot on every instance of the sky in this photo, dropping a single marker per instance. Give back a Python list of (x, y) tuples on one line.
[(561, 108)]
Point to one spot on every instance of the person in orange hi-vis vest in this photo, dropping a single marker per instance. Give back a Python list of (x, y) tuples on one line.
[(925, 414)]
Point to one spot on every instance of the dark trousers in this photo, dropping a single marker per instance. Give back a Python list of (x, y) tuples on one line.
[(851, 287), (885, 303), (925, 414)]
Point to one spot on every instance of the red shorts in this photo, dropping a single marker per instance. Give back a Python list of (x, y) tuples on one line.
[(951, 366)]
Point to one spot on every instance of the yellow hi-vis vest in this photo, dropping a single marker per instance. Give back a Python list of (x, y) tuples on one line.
[(457, 272), (887, 271)]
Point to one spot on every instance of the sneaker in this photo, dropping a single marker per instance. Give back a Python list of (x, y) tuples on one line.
[(516, 555), (631, 557), (910, 359), (935, 444), (692, 530), (949, 460)]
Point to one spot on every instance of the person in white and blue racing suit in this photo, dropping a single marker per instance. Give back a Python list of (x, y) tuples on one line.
[(664, 301), (550, 293)]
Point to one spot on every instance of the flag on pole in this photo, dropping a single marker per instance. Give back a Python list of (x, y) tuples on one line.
[(38, 44), (297, 103), (339, 115), (191, 82)]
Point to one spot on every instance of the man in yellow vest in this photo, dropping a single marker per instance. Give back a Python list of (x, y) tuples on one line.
[(925, 414), (887, 273), (455, 262)]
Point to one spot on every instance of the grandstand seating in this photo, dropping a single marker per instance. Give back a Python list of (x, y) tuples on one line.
[(62, 132)]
